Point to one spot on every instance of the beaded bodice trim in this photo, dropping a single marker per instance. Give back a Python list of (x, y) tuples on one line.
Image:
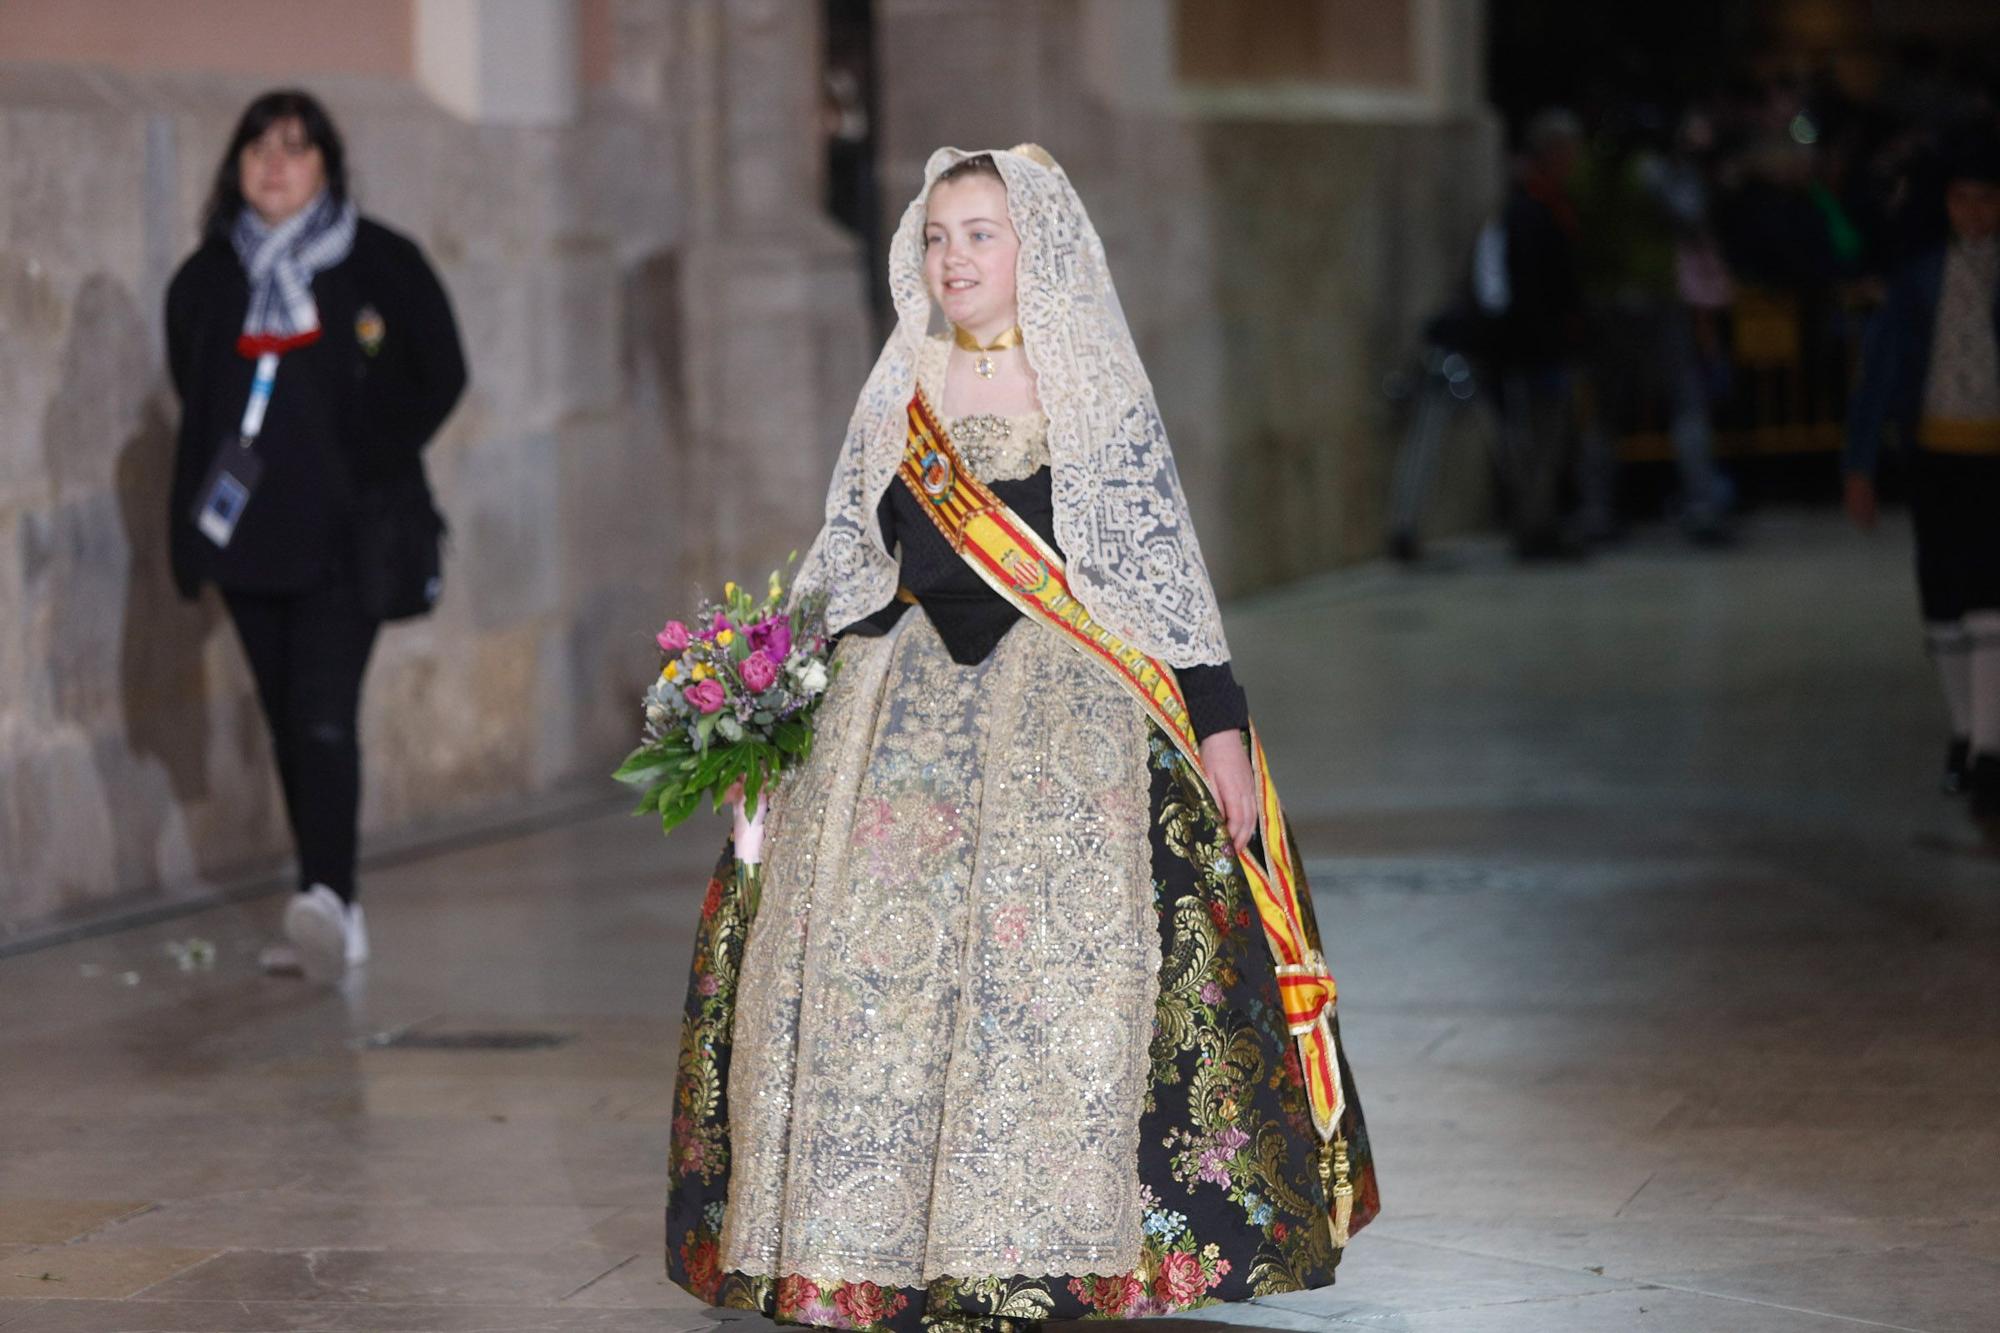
[(1002, 448)]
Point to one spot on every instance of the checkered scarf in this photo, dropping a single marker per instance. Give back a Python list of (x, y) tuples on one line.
[(282, 260)]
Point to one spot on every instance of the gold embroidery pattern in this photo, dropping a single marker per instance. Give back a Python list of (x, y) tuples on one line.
[(948, 998)]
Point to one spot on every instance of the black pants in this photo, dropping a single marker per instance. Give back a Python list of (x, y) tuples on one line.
[(1536, 448), (308, 652), (1955, 508)]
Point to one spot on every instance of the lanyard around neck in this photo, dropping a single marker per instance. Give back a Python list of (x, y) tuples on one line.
[(260, 398)]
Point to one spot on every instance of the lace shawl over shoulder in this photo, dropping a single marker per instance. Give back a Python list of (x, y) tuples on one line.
[(1121, 517)]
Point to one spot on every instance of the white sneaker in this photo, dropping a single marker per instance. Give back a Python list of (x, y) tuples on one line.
[(316, 924), (357, 936)]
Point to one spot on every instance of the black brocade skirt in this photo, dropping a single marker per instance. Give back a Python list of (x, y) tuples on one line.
[(1229, 1164)]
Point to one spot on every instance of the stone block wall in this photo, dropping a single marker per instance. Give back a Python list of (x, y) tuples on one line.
[(651, 407)]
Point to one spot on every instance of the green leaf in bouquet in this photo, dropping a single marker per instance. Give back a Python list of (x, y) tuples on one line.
[(791, 736), (676, 811), (715, 766), (644, 766), (726, 777), (763, 717)]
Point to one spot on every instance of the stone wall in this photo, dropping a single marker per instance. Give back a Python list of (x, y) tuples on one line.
[(638, 366)]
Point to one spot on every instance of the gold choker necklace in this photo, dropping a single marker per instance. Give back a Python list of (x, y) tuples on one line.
[(983, 361)]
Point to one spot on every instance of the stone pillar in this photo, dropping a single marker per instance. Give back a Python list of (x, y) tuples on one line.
[(1451, 55), (502, 62), (776, 333)]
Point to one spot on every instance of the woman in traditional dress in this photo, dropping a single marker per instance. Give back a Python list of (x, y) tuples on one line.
[(998, 1031)]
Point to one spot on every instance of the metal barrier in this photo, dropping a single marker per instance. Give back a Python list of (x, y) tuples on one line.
[(1791, 364)]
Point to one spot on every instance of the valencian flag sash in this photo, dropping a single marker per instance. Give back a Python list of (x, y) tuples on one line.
[(1016, 563)]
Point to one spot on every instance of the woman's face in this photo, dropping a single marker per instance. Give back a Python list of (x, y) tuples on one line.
[(281, 171), (969, 253)]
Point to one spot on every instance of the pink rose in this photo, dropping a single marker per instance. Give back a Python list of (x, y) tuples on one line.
[(701, 1259), (1108, 1295), (795, 1295), (1180, 1279), (707, 695), (867, 1304), (758, 672), (673, 639), (774, 636)]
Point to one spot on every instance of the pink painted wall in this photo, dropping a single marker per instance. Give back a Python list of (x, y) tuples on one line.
[(279, 38), (596, 41)]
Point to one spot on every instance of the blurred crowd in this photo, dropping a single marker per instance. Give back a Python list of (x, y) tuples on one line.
[(1690, 284)]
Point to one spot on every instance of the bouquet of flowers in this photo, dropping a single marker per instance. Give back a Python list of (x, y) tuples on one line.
[(734, 702)]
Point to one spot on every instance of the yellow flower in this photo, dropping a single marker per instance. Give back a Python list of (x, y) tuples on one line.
[(725, 637), (671, 670), (698, 672), (729, 591)]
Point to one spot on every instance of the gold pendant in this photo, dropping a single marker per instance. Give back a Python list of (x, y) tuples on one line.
[(984, 367)]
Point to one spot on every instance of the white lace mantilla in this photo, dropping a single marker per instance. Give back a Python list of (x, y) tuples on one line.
[(1120, 515)]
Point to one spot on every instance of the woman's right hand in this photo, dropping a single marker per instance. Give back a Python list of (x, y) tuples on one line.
[(1860, 501), (734, 795)]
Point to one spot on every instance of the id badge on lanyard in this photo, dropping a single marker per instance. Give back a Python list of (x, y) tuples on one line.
[(233, 478)]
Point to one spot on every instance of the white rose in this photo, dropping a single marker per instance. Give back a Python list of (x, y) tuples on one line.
[(813, 678)]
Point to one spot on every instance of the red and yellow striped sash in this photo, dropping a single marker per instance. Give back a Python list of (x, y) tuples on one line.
[(1013, 559)]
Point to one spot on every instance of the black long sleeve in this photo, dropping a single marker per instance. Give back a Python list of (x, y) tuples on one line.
[(1215, 702), (971, 618), (421, 372)]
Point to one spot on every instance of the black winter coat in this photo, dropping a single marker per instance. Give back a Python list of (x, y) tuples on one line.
[(350, 411)]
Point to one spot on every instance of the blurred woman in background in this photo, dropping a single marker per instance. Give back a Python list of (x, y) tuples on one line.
[(315, 355)]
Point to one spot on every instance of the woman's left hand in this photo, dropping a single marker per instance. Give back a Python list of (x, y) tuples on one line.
[(1228, 766)]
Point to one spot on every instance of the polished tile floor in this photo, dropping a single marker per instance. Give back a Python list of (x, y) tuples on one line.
[(1671, 983)]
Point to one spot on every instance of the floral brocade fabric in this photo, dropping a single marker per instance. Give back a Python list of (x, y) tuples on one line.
[(1230, 1200)]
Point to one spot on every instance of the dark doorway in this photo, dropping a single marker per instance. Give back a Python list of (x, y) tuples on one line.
[(848, 103)]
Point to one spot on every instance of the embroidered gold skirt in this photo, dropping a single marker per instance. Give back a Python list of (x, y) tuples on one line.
[(998, 1042)]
